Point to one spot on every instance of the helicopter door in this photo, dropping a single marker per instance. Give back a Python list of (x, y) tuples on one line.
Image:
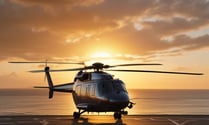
[(93, 90), (88, 90), (78, 90)]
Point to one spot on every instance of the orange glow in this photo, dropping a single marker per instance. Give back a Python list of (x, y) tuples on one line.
[(101, 55), (90, 31)]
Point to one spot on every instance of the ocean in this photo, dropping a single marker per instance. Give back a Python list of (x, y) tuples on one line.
[(156, 102)]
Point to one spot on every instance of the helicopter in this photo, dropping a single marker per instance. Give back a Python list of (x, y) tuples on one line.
[(95, 90)]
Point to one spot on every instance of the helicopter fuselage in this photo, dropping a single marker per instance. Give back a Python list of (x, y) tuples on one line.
[(99, 92)]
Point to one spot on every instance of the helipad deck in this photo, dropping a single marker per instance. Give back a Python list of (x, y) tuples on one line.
[(106, 120)]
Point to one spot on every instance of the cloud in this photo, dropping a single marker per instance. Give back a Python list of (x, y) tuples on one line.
[(187, 8), (49, 28), (60, 3)]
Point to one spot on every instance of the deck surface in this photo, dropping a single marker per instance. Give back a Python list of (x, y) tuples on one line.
[(106, 120)]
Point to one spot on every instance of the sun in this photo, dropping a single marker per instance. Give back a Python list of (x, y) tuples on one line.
[(101, 55)]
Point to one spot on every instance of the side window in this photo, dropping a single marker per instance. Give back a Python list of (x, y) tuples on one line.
[(93, 88), (83, 90), (78, 90), (85, 77), (88, 88)]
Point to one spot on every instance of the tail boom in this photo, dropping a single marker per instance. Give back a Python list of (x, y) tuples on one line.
[(68, 87)]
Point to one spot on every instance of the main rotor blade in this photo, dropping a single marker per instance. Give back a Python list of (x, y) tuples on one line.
[(57, 70), (52, 62), (149, 71), (136, 64), (63, 70)]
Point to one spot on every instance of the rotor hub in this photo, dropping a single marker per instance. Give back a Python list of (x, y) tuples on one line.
[(99, 66)]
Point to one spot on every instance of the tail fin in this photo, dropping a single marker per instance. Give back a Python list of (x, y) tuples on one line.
[(50, 83)]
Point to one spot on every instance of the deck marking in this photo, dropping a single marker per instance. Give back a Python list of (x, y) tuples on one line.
[(174, 122), (44, 122)]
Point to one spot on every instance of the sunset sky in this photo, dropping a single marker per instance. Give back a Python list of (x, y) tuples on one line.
[(172, 32)]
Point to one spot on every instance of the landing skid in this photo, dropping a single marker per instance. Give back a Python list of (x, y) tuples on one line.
[(117, 115)]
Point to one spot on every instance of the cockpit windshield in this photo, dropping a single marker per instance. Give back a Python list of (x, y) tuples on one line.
[(119, 86), (113, 86)]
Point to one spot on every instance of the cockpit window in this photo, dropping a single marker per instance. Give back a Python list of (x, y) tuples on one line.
[(114, 86), (107, 77), (84, 77), (118, 86), (96, 76), (107, 87)]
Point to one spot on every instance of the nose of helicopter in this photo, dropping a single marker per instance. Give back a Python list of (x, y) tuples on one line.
[(115, 94), (119, 99)]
